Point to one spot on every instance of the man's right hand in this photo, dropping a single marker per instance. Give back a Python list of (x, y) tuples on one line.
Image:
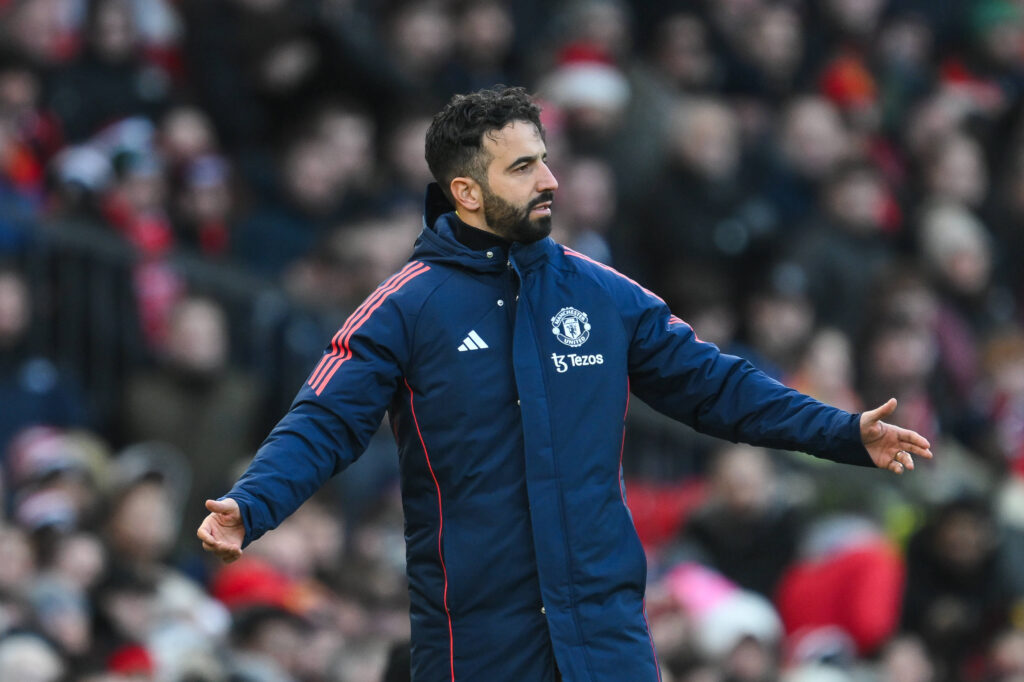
[(223, 532)]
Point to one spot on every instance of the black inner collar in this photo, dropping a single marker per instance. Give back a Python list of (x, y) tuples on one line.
[(475, 238)]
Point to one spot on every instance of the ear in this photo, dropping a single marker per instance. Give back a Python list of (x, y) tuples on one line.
[(467, 193)]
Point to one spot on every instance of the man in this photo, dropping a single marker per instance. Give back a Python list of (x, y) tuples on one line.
[(505, 363)]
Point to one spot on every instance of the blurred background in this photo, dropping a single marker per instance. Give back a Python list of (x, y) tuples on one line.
[(195, 193)]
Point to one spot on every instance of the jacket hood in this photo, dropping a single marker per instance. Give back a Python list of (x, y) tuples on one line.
[(437, 243)]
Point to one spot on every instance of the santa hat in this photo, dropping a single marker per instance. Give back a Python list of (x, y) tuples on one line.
[(131, 659), (585, 77)]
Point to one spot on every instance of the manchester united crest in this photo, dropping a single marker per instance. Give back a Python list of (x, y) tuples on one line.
[(571, 327)]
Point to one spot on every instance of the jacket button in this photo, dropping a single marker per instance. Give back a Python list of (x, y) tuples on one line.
[(518, 402), (500, 303), (490, 254), (543, 611)]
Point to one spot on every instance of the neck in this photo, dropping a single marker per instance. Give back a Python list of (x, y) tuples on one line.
[(474, 219)]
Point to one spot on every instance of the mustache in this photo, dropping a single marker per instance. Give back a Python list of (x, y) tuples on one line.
[(543, 198)]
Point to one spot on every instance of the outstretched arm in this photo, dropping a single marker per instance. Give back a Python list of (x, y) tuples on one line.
[(724, 396), (891, 448), (333, 417)]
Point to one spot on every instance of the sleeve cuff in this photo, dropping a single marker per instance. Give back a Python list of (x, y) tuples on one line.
[(247, 508), (850, 448)]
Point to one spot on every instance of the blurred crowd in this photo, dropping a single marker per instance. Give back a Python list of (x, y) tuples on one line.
[(833, 189)]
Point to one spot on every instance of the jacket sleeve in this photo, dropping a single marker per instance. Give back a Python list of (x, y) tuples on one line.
[(725, 396), (332, 418)]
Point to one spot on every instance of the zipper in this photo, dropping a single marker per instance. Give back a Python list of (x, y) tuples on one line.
[(562, 514)]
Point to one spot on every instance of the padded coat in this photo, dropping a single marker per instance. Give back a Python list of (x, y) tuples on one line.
[(506, 375)]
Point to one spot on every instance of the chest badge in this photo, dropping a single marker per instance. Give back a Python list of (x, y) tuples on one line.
[(570, 326)]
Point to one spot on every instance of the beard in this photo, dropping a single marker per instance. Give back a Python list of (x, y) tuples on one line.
[(512, 222)]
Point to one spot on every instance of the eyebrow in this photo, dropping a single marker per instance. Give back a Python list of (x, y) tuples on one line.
[(525, 159)]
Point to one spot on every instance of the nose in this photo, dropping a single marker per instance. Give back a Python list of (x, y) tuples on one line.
[(546, 181)]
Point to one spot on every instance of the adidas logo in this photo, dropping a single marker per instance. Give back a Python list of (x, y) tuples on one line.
[(472, 342)]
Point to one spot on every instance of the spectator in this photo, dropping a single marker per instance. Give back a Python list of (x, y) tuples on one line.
[(108, 80), (35, 30), (745, 530), (56, 480), (1003, 365), (324, 168), (841, 598), (826, 370), (899, 360), (19, 567), (406, 168), (205, 206), (591, 94), (588, 199), (848, 22), (956, 172), (996, 35), (143, 522), (959, 586), (419, 39), (29, 658), (903, 54), (957, 255), (186, 134), (735, 630), (681, 55), (904, 659), (844, 247), (680, 62), (812, 142), (29, 136), (196, 401), (702, 210), (484, 33), (268, 644), (1006, 220), (779, 322), (32, 388), (770, 65)]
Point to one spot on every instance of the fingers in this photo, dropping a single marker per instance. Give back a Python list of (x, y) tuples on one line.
[(225, 554), (901, 462), (915, 443), (225, 506), (882, 411), (225, 551), (916, 450)]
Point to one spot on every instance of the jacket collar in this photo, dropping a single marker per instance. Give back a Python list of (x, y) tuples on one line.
[(437, 241)]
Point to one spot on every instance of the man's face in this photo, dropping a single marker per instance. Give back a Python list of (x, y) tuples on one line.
[(520, 188)]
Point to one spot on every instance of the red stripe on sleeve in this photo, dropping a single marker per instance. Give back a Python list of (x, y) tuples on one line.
[(317, 373), (342, 351)]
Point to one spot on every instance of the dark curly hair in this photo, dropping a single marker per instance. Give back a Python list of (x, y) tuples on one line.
[(455, 137)]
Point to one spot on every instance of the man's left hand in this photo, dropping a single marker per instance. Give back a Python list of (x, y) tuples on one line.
[(891, 447)]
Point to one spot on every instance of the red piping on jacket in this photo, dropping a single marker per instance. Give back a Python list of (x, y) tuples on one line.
[(440, 529), (622, 485), (576, 254)]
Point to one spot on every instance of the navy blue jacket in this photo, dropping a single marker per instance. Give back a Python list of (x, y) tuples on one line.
[(506, 375)]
